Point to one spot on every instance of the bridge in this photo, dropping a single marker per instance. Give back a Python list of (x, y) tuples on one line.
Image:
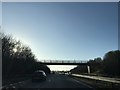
[(64, 62)]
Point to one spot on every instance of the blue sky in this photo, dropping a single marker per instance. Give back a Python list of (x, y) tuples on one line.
[(80, 31), (60, 0), (0, 13)]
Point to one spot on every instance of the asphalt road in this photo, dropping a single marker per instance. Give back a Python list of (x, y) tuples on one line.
[(56, 81)]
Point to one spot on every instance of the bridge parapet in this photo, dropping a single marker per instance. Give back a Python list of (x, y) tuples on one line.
[(64, 61)]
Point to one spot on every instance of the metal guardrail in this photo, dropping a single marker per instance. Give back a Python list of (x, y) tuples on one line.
[(106, 79)]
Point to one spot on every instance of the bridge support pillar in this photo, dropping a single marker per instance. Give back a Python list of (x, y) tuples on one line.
[(88, 68)]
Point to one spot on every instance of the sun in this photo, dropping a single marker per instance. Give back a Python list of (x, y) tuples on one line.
[(15, 50)]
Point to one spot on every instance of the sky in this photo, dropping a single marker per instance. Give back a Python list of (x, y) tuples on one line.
[(59, 0), (0, 13), (63, 31)]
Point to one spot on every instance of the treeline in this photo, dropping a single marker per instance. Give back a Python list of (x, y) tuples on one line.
[(109, 65), (18, 59)]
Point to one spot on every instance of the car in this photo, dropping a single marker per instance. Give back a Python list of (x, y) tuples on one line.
[(53, 72), (39, 75)]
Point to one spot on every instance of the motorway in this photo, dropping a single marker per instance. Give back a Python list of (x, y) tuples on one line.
[(54, 81)]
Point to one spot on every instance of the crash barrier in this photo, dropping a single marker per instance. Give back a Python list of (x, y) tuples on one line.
[(101, 81)]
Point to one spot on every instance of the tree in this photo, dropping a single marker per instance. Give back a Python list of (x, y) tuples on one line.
[(111, 63), (79, 69), (95, 65), (17, 59)]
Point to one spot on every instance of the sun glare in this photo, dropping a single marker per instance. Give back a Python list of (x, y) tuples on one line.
[(15, 50)]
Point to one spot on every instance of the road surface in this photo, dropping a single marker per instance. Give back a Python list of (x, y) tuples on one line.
[(54, 81)]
